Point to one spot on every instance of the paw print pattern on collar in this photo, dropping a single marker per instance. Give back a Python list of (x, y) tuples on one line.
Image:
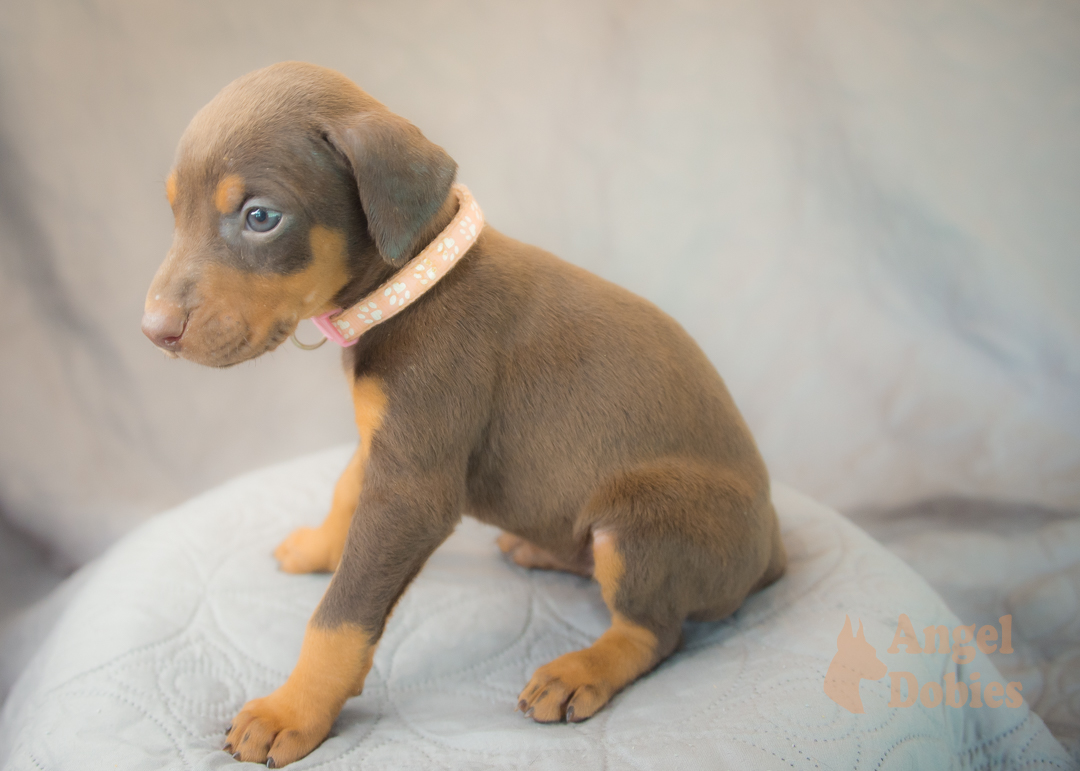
[(421, 273)]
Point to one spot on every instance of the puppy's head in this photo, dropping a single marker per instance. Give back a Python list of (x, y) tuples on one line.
[(286, 188)]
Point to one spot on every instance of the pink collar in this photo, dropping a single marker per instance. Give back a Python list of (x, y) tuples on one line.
[(420, 273)]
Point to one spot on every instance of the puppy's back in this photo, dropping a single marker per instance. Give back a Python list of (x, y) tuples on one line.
[(593, 380)]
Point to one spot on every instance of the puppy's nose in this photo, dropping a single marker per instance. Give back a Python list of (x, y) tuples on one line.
[(165, 328)]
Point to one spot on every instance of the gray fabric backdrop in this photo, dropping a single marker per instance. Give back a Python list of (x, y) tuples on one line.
[(866, 212)]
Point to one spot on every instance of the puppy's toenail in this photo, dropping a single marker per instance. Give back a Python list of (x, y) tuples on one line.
[(529, 713), (569, 714), (270, 763), (521, 705), (236, 756)]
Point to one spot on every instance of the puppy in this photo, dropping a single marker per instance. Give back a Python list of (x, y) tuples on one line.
[(487, 376)]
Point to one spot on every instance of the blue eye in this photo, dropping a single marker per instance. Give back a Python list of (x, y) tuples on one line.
[(262, 220)]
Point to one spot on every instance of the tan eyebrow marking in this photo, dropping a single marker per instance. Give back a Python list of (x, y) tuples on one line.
[(229, 194), (170, 188)]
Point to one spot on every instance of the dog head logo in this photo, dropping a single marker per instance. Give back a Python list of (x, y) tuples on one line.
[(855, 660)]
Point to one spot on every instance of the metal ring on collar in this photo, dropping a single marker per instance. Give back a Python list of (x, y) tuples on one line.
[(306, 346)]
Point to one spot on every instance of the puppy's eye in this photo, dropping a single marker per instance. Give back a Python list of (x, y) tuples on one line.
[(261, 220)]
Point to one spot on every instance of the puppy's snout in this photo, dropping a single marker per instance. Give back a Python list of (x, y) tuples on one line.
[(165, 327)]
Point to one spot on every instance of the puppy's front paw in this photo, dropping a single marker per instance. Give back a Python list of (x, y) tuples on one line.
[(307, 550), (274, 731)]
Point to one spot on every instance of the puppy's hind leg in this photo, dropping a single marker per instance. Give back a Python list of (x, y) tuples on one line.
[(576, 685), (673, 540), (529, 555)]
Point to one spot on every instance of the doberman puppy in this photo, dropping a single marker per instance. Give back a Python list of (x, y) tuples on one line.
[(520, 389)]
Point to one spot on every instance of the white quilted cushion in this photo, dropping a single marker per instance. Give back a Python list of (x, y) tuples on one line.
[(188, 617)]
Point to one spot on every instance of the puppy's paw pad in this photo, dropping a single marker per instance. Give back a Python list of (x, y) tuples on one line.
[(306, 550)]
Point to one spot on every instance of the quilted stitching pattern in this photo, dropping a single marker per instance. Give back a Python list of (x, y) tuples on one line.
[(188, 617)]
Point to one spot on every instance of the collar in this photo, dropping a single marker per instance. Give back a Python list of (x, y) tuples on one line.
[(420, 273)]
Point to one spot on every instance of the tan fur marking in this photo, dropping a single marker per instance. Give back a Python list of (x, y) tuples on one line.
[(609, 567), (312, 550), (529, 555), (624, 651), (170, 188), (229, 194), (369, 404), (332, 666), (578, 684), (290, 722), (233, 300)]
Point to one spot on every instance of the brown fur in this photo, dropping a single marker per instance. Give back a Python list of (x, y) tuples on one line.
[(535, 396)]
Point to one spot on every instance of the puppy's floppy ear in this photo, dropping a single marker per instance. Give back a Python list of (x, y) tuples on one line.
[(403, 178)]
